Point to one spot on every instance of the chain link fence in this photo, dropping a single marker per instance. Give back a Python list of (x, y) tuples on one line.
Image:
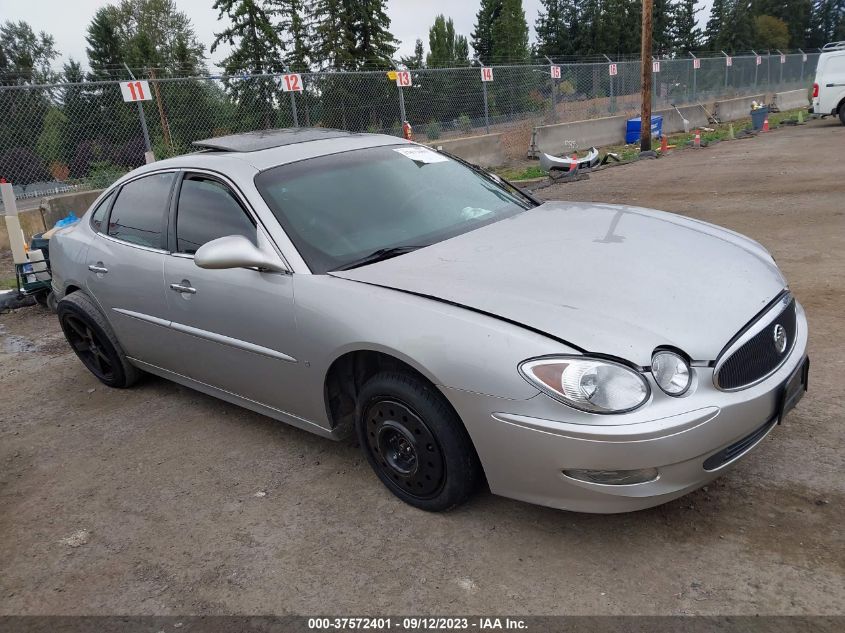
[(61, 137)]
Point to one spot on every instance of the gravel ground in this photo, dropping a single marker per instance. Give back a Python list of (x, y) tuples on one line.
[(160, 500)]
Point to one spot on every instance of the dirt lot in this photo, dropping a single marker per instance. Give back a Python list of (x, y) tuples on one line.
[(144, 501)]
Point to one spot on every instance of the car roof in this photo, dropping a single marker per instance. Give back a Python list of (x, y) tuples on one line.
[(270, 148)]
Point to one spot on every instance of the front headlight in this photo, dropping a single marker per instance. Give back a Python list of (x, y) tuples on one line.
[(671, 373), (588, 384)]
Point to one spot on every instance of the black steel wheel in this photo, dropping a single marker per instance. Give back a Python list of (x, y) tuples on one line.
[(405, 448), (415, 442), (93, 341)]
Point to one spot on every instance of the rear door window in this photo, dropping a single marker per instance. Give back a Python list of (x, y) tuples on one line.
[(207, 210), (138, 215)]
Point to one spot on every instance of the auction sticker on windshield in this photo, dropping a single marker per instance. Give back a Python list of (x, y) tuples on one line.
[(421, 154)]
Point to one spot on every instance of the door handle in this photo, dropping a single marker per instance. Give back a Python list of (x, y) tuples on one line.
[(98, 268), (183, 289)]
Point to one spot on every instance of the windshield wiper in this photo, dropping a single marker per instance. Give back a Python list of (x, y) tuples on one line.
[(379, 256)]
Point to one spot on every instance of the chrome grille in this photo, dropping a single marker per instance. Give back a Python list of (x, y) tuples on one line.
[(754, 354)]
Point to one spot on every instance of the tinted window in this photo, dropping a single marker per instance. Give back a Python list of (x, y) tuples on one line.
[(138, 213), (100, 213), (342, 207), (207, 210)]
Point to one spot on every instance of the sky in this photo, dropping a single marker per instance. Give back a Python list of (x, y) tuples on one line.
[(410, 19)]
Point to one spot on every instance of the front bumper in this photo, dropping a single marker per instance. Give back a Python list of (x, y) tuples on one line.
[(525, 446)]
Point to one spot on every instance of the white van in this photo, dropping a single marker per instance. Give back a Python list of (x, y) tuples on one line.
[(829, 89)]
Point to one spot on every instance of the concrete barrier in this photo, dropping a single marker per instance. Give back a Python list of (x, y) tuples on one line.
[(484, 150), (52, 209), (791, 99), (672, 123), (55, 208), (562, 138), (732, 109)]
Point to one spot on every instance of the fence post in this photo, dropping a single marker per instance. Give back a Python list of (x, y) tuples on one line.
[(612, 107), (756, 67), (402, 118), (293, 109), (554, 90), (149, 157), (727, 70), (780, 80), (486, 113), (694, 74), (803, 55)]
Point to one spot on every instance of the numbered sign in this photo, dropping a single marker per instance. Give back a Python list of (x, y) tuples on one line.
[(612, 70), (759, 60), (729, 61), (403, 79), (783, 59), (135, 91), (696, 63), (655, 66), (555, 72), (487, 74), (292, 83)]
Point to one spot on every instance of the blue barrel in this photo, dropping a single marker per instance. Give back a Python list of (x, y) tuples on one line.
[(759, 116), (632, 128)]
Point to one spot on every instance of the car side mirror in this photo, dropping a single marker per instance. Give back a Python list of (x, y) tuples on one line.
[(235, 251)]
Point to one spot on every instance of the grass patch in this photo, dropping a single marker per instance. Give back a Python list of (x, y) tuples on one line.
[(521, 174), (7, 283)]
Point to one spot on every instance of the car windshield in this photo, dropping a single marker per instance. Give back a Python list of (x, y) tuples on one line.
[(345, 207)]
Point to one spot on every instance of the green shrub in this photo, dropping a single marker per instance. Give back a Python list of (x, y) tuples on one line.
[(464, 124), (433, 131), (103, 173)]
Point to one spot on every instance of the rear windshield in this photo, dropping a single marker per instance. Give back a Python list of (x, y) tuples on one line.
[(340, 208)]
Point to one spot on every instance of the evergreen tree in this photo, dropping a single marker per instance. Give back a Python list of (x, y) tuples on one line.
[(686, 36), (296, 25), (662, 40), (442, 43), (257, 49), (716, 23), (374, 44), (553, 37), (510, 33), (482, 35), (333, 41), (827, 23), (461, 51), (417, 60)]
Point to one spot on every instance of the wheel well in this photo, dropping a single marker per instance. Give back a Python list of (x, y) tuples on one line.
[(348, 373), (71, 289)]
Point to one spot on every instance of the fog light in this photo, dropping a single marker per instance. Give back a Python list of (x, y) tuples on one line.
[(613, 477)]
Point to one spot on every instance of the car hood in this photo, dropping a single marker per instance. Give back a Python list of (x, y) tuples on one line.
[(608, 279)]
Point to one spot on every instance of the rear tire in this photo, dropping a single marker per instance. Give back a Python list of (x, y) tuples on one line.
[(415, 442), (92, 339), (842, 113)]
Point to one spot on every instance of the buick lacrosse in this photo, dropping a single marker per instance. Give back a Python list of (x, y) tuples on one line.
[(590, 357)]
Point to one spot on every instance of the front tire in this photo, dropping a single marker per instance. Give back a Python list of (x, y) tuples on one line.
[(415, 442), (94, 342), (842, 113)]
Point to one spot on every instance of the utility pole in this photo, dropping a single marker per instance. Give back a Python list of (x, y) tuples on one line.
[(149, 157), (645, 55)]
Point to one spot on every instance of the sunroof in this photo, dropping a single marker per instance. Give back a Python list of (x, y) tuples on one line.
[(265, 139)]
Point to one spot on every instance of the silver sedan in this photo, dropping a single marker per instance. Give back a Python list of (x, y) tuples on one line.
[(590, 357)]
